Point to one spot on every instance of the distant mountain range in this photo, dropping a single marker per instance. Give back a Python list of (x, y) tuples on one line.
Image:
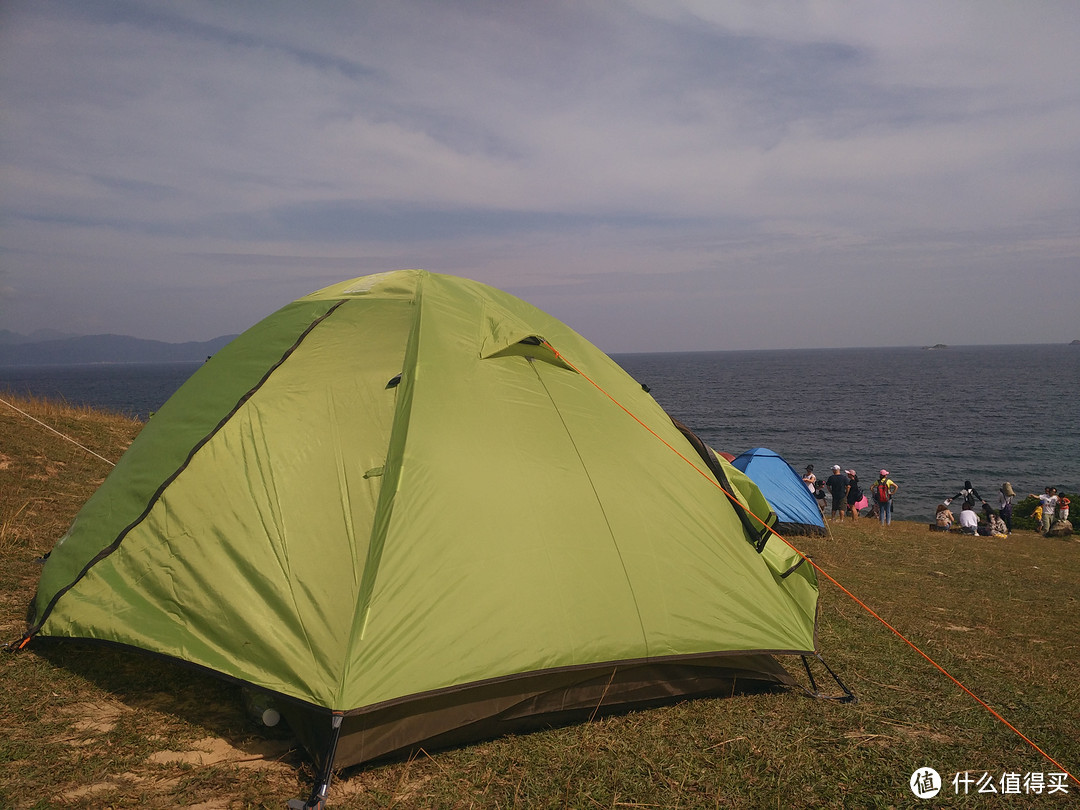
[(56, 348)]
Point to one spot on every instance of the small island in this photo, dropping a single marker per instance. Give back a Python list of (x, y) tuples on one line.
[(935, 347)]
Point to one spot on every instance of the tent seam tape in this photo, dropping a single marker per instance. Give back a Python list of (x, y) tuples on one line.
[(600, 502)]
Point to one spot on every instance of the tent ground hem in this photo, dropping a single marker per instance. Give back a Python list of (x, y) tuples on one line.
[(531, 703)]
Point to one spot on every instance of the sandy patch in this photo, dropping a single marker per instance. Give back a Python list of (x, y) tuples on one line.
[(123, 782), (91, 790), (97, 717), (214, 751)]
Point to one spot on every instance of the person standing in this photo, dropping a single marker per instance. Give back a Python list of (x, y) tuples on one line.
[(838, 487), (1048, 501), (854, 494), (1005, 505), (809, 478), (969, 495), (1063, 507), (820, 496), (884, 489)]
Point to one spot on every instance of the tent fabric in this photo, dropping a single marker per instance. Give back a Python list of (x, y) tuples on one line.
[(424, 504), (796, 509)]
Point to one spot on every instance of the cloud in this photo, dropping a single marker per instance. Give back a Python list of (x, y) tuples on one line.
[(676, 159)]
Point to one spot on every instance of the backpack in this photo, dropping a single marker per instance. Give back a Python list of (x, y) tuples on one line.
[(881, 492)]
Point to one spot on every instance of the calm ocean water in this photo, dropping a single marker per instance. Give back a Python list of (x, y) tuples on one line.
[(932, 418), (135, 389)]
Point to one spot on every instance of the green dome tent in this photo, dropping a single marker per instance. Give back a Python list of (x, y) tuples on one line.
[(417, 511)]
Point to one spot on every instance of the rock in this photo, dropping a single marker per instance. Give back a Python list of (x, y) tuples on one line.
[(1061, 528)]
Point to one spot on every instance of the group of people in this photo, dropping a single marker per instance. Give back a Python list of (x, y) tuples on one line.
[(994, 523), (1049, 504), (999, 523), (848, 497)]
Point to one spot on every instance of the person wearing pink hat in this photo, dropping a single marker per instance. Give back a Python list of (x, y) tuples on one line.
[(884, 490), (855, 497)]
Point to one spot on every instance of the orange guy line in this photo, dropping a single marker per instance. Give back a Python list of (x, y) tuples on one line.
[(818, 568)]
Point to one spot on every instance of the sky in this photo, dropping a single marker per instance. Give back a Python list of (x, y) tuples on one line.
[(661, 175)]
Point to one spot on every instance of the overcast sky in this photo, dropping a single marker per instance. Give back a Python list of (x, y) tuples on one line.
[(662, 175)]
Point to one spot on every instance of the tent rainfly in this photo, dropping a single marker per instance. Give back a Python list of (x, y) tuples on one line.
[(418, 511), (796, 509)]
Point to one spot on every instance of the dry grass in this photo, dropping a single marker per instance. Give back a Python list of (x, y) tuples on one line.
[(46, 476), (93, 727)]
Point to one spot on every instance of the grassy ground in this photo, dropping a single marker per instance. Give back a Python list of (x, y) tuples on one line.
[(89, 727)]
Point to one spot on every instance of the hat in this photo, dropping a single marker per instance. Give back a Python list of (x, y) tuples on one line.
[(836, 466), (884, 473)]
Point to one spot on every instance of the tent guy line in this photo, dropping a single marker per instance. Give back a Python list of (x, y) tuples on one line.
[(739, 505), (57, 432)]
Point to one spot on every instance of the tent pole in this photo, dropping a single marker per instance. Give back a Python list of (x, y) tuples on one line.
[(813, 691), (321, 789)]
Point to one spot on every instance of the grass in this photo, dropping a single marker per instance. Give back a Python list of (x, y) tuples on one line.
[(90, 727)]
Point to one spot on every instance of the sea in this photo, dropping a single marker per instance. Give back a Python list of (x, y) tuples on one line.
[(934, 418)]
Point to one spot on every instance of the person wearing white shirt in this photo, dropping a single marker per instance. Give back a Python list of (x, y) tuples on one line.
[(1048, 500), (969, 521)]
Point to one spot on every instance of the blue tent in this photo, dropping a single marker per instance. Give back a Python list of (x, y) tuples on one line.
[(783, 488)]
